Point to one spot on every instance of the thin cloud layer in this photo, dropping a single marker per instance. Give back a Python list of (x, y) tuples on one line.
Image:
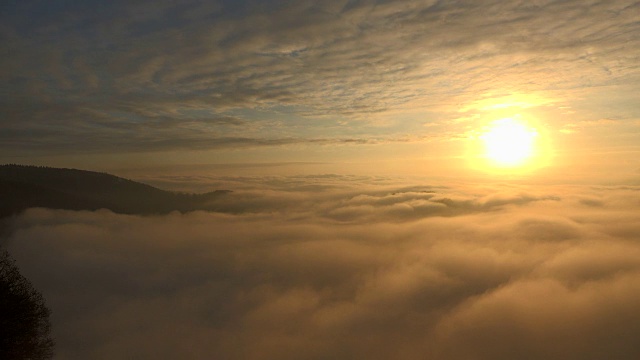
[(162, 76), (503, 274)]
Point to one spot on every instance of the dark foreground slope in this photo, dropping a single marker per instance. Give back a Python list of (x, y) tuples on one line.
[(22, 187)]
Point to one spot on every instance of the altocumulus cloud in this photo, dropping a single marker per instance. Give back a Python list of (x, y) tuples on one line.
[(469, 273), (158, 75)]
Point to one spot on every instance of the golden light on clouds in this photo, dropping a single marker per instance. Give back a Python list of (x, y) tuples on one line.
[(381, 180), (496, 102)]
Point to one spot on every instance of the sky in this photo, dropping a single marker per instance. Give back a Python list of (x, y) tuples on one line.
[(441, 179), (394, 87)]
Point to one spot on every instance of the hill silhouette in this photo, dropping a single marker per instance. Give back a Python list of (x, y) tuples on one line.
[(22, 187)]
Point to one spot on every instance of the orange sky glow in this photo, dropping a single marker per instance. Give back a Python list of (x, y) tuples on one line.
[(339, 88)]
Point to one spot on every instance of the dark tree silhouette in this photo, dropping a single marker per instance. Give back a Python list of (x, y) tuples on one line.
[(24, 318)]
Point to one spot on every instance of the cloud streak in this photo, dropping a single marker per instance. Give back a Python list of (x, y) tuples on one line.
[(517, 274)]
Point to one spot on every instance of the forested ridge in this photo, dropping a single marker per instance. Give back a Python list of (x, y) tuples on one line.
[(22, 187)]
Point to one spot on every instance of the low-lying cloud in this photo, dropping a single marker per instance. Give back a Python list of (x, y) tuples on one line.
[(347, 273)]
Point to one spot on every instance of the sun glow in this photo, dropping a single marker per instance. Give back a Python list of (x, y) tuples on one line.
[(509, 143)]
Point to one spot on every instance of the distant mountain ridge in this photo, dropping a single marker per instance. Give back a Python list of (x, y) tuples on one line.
[(22, 187)]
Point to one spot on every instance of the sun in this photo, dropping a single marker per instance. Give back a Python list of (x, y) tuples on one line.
[(509, 142)]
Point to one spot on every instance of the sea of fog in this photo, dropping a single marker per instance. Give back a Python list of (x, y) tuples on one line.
[(339, 267)]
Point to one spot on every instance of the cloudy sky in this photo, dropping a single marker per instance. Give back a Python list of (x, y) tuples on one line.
[(403, 86), (440, 179)]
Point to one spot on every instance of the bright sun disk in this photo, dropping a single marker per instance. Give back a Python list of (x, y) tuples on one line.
[(509, 142)]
